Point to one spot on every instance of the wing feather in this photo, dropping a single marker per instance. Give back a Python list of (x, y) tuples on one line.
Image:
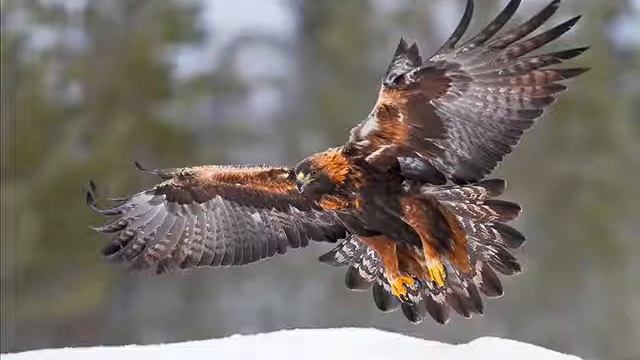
[(490, 30), (458, 33)]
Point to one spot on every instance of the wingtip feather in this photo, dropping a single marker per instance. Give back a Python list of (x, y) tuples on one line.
[(462, 27)]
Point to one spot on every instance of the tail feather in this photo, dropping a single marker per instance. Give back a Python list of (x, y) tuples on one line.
[(437, 309), (414, 312), (343, 253), (498, 257), (489, 240), (481, 191), (488, 211), (354, 280), (509, 237), (458, 304), (488, 281), (383, 299)]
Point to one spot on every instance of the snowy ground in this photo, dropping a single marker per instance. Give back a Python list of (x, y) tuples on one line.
[(309, 344)]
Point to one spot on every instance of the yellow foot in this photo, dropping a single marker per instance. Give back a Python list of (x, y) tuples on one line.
[(400, 284), (437, 272)]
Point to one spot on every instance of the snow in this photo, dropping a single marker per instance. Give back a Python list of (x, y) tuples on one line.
[(308, 344)]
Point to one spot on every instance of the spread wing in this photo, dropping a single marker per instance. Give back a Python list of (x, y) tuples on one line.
[(211, 216), (466, 107)]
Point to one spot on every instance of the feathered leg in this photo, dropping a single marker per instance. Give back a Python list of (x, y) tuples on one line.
[(440, 234), (387, 251)]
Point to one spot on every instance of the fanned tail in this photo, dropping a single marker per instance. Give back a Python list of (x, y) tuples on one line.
[(489, 244)]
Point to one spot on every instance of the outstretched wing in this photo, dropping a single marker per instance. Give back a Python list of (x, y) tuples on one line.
[(465, 108), (214, 215)]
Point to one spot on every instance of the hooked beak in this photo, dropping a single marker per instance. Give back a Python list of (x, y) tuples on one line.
[(302, 180)]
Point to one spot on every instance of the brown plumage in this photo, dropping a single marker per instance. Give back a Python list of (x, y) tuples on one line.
[(405, 196)]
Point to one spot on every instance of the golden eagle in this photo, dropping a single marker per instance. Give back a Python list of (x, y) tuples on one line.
[(404, 198)]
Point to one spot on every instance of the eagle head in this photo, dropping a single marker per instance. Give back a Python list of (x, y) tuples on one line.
[(322, 173)]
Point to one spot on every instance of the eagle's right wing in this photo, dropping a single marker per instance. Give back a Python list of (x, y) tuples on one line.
[(212, 216), (463, 109)]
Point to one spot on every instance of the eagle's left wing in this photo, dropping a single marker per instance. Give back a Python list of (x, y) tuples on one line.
[(214, 216), (461, 111)]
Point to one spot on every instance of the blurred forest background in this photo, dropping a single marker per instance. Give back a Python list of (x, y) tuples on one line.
[(89, 86)]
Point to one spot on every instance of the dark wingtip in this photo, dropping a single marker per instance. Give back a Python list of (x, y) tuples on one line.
[(89, 194), (111, 249), (90, 199), (571, 73), (139, 166), (462, 27), (162, 173), (571, 53), (490, 30), (567, 25), (528, 27), (92, 186), (552, 6)]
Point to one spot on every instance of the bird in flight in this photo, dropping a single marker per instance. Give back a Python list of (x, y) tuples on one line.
[(405, 200)]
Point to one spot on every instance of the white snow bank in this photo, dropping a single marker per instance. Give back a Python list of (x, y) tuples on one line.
[(308, 344)]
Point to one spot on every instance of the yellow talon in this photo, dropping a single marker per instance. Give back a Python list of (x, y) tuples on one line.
[(400, 284), (437, 273)]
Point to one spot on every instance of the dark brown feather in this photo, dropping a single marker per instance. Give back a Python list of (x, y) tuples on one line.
[(498, 23), (383, 299), (457, 34), (438, 310), (354, 281), (414, 312)]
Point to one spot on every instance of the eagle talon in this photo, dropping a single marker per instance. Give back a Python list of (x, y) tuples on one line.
[(400, 284), (437, 273)]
